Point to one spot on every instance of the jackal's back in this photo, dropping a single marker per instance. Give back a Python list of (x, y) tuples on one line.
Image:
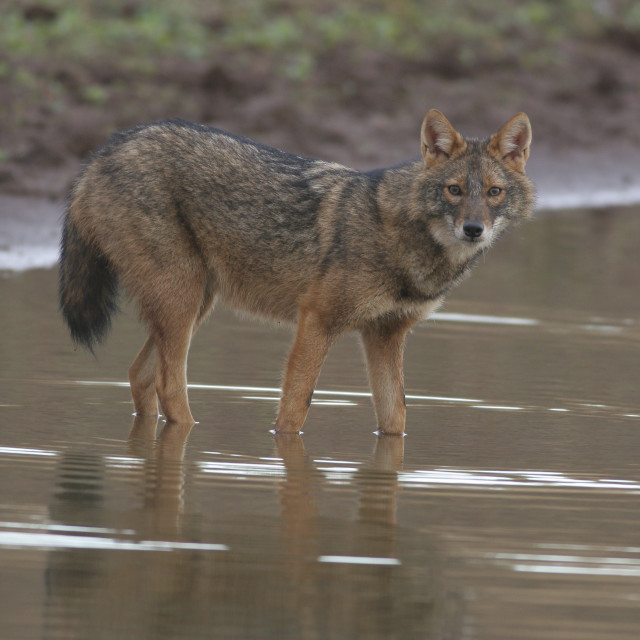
[(250, 215)]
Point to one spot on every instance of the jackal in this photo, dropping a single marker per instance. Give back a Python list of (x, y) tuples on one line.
[(181, 215)]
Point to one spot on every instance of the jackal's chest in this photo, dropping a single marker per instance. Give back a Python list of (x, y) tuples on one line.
[(426, 278)]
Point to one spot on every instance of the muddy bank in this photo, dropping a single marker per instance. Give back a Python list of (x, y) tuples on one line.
[(364, 112)]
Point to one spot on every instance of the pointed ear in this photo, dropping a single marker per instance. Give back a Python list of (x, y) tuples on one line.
[(511, 143), (439, 139)]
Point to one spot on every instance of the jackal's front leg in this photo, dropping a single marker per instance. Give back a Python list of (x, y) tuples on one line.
[(384, 348), (309, 351)]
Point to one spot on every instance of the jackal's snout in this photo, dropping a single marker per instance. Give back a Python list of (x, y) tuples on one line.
[(473, 230)]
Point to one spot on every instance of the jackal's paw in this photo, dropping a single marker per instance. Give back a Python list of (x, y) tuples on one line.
[(381, 433), (285, 427)]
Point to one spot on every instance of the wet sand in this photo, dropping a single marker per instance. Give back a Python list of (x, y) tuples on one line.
[(508, 512)]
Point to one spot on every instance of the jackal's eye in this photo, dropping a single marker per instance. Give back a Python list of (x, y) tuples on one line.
[(454, 190), (494, 191)]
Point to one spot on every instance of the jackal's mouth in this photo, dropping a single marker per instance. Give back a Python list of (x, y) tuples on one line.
[(474, 233), (472, 240), (463, 235)]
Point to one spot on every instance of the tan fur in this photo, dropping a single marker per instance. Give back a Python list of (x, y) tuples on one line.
[(182, 215)]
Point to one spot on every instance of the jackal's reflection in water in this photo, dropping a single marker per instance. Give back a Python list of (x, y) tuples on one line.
[(322, 565), (353, 578), (164, 472)]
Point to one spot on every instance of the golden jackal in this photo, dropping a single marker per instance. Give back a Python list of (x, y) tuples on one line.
[(181, 214)]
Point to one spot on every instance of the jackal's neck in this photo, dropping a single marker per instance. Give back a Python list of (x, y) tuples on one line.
[(396, 189)]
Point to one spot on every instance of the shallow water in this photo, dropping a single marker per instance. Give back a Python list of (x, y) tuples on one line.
[(510, 511)]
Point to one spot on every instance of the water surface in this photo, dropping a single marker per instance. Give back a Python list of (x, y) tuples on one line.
[(510, 511)]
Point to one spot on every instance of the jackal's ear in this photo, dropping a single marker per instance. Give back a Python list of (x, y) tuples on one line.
[(439, 139), (512, 142)]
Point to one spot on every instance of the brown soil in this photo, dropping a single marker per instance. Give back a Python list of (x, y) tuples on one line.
[(365, 112)]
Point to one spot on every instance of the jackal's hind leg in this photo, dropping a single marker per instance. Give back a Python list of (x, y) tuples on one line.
[(172, 323), (171, 381), (142, 378)]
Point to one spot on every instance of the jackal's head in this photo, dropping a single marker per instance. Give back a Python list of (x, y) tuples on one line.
[(475, 188)]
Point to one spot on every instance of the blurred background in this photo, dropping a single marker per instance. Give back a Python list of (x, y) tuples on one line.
[(346, 81)]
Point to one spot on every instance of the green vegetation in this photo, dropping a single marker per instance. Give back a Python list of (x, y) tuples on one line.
[(496, 31), (196, 29), (129, 56)]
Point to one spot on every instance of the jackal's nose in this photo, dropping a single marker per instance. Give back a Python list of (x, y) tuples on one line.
[(473, 229)]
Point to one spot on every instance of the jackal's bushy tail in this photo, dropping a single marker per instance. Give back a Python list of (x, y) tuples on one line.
[(87, 287)]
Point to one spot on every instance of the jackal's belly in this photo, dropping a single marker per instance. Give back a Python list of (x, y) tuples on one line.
[(273, 295)]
